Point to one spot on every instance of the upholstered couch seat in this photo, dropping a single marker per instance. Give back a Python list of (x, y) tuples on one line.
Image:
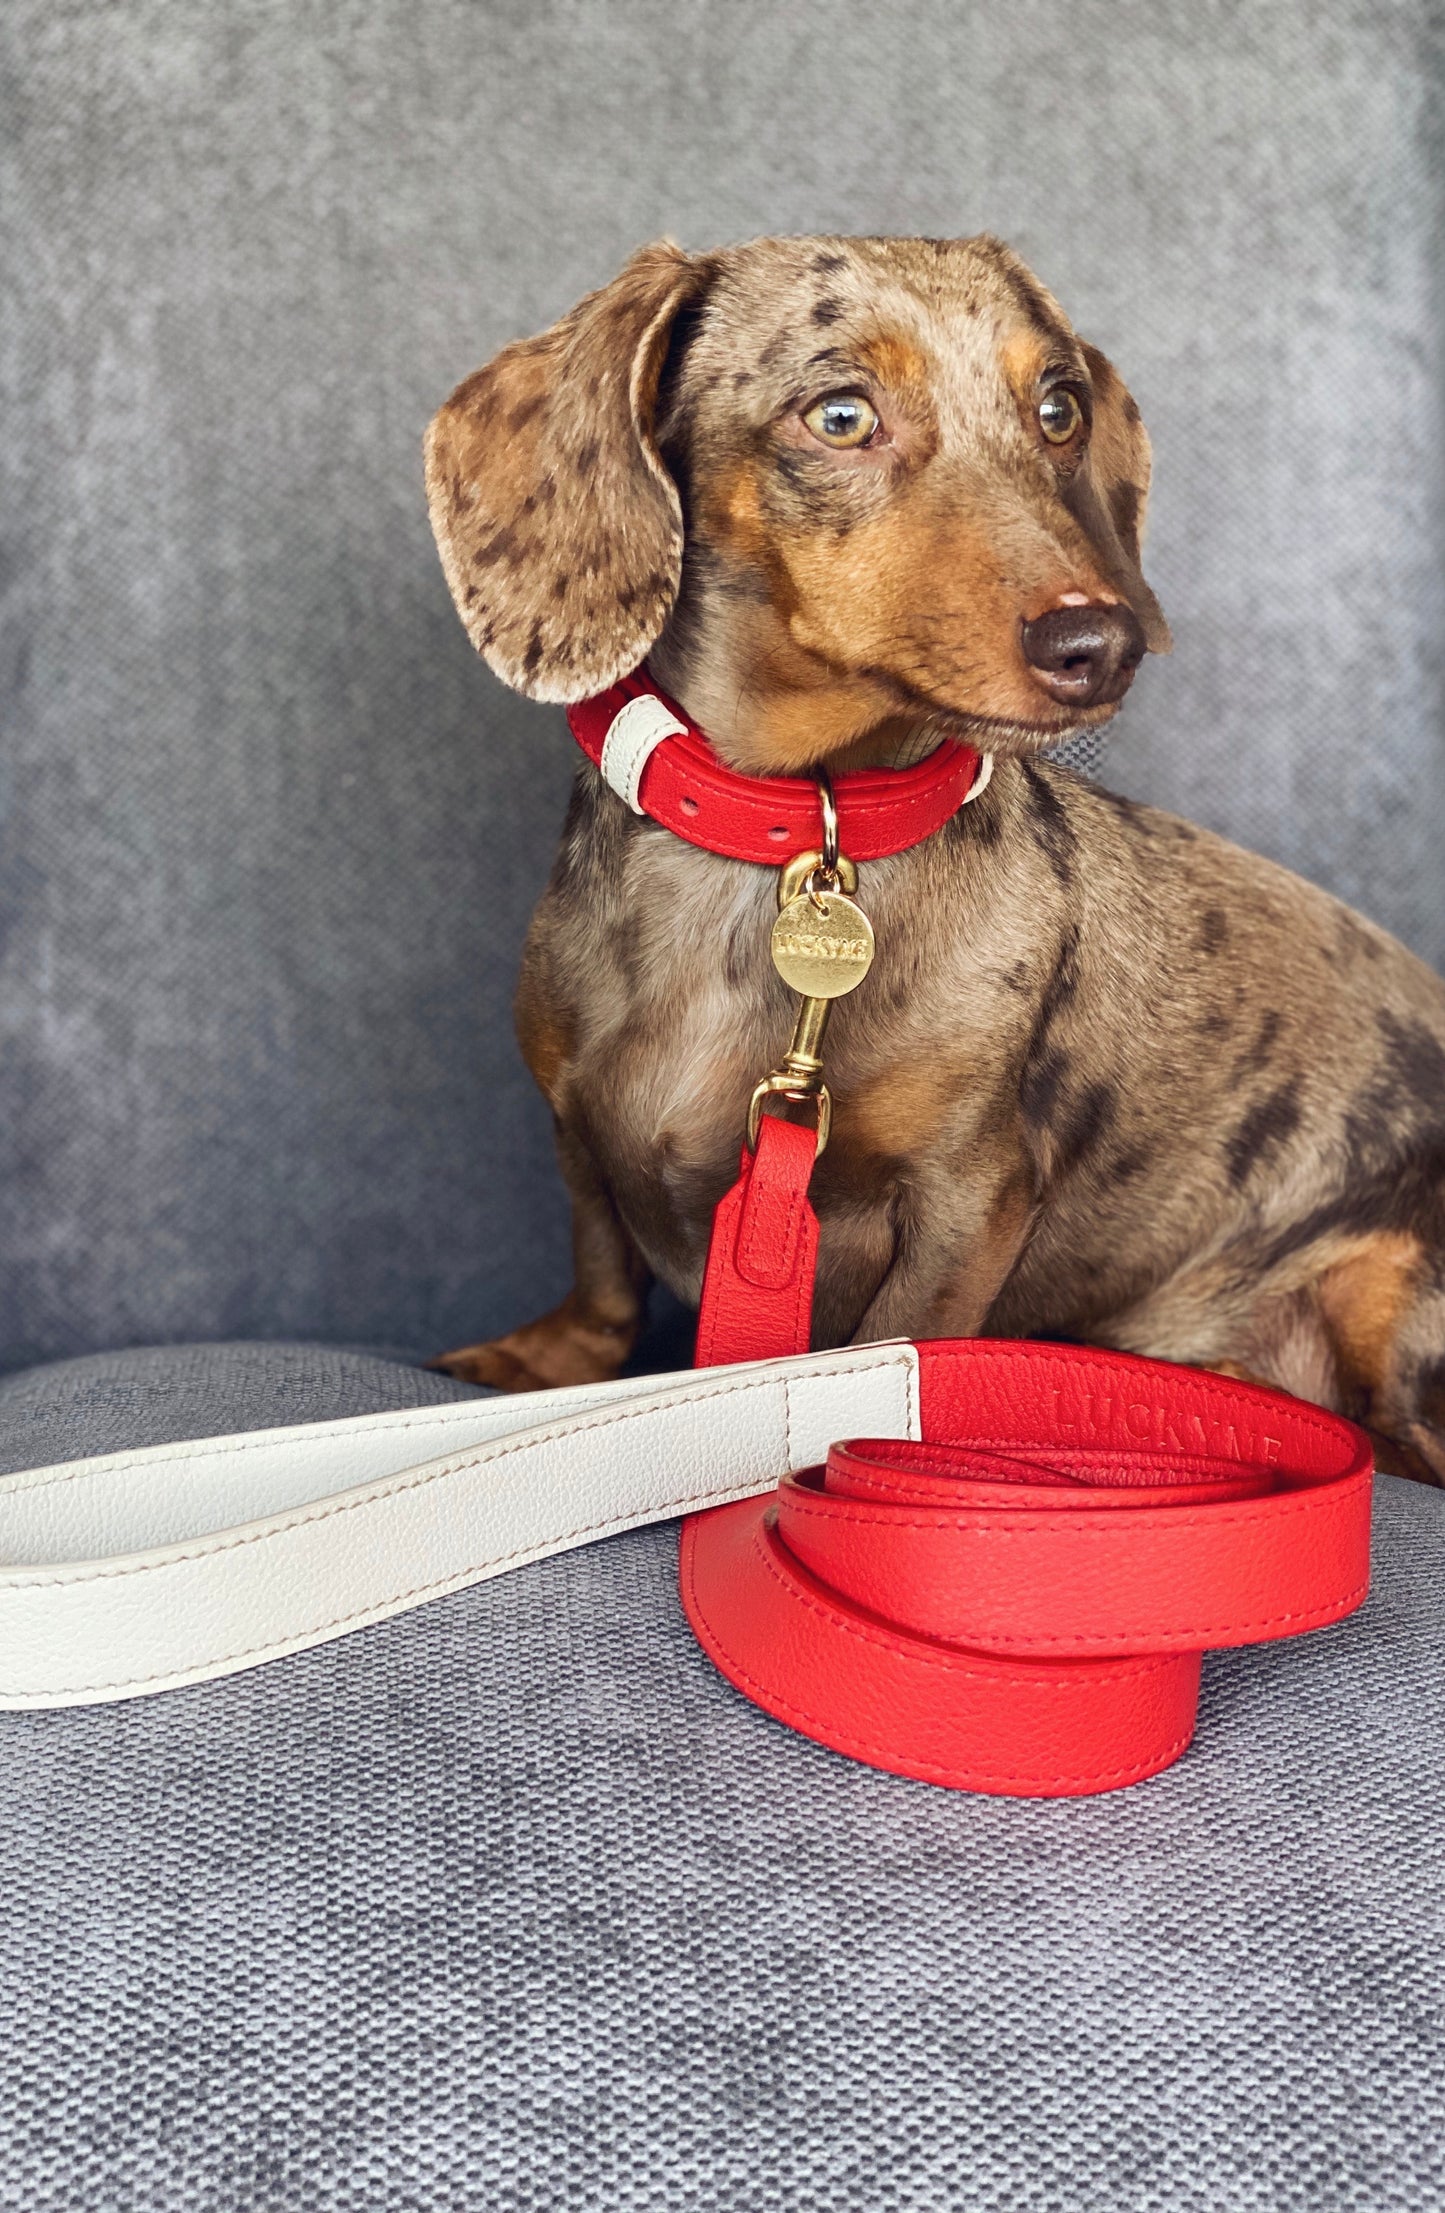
[(512, 1903)]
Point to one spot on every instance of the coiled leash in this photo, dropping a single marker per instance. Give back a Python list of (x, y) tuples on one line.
[(1019, 1601)]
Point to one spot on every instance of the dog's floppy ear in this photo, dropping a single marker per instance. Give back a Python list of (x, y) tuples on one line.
[(559, 528), (1110, 493)]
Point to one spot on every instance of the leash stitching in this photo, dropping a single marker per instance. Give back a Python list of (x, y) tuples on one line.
[(944, 1662), (780, 1707), (397, 1487), (1079, 1522)]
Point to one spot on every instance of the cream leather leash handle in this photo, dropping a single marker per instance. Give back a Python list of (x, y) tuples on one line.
[(145, 1570)]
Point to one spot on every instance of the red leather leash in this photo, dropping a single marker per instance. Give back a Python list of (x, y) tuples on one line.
[(1019, 1600), (757, 1294), (1020, 1603)]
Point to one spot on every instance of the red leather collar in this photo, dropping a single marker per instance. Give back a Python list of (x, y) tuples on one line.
[(663, 766)]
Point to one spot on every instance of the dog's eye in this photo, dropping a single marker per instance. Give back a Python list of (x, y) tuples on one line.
[(843, 419), (1059, 415)]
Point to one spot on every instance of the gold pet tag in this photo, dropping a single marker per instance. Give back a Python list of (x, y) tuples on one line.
[(822, 944)]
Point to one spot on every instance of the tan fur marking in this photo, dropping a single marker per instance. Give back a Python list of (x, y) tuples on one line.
[(738, 500), (1023, 356), (737, 512), (900, 1113), (896, 362), (1364, 1299), (546, 1040), (858, 608)]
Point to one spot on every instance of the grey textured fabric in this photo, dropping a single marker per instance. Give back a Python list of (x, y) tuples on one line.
[(513, 1905), (117, 1402), (271, 833)]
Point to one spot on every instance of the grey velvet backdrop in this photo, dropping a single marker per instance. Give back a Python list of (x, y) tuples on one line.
[(271, 833)]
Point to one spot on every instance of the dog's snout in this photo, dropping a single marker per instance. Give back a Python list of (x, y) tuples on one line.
[(1084, 656)]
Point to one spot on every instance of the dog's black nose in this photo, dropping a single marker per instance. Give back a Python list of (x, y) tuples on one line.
[(1084, 656)]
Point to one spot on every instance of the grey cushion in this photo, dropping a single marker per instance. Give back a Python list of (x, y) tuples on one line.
[(512, 1903), (115, 1402), (269, 834)]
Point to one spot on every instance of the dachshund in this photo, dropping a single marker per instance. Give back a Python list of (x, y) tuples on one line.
[(1111, 1079)]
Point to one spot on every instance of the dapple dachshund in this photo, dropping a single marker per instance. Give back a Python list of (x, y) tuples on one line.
[(1111, 1079)]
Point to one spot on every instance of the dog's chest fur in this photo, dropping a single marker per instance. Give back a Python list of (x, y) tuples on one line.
[(1144, 1039)]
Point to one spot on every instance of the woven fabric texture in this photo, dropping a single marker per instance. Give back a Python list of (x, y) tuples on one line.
[(512, 1905), (269, 833), (120, 1401)]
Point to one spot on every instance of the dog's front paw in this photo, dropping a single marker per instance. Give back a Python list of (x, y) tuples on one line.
[(562, 1347), (492, 1364)]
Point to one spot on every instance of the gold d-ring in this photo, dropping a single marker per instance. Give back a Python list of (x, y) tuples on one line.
[(780, 1085)]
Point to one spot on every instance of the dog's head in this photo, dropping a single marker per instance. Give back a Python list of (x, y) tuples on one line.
[(838, 489)]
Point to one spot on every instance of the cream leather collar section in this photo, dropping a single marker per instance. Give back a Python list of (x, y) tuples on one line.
[(145, 1570), (633, 736)]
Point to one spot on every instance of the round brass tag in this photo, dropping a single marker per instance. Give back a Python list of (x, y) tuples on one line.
[(822, 947)]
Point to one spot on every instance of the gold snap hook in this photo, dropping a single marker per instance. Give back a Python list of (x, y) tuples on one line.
[(822, 947)]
